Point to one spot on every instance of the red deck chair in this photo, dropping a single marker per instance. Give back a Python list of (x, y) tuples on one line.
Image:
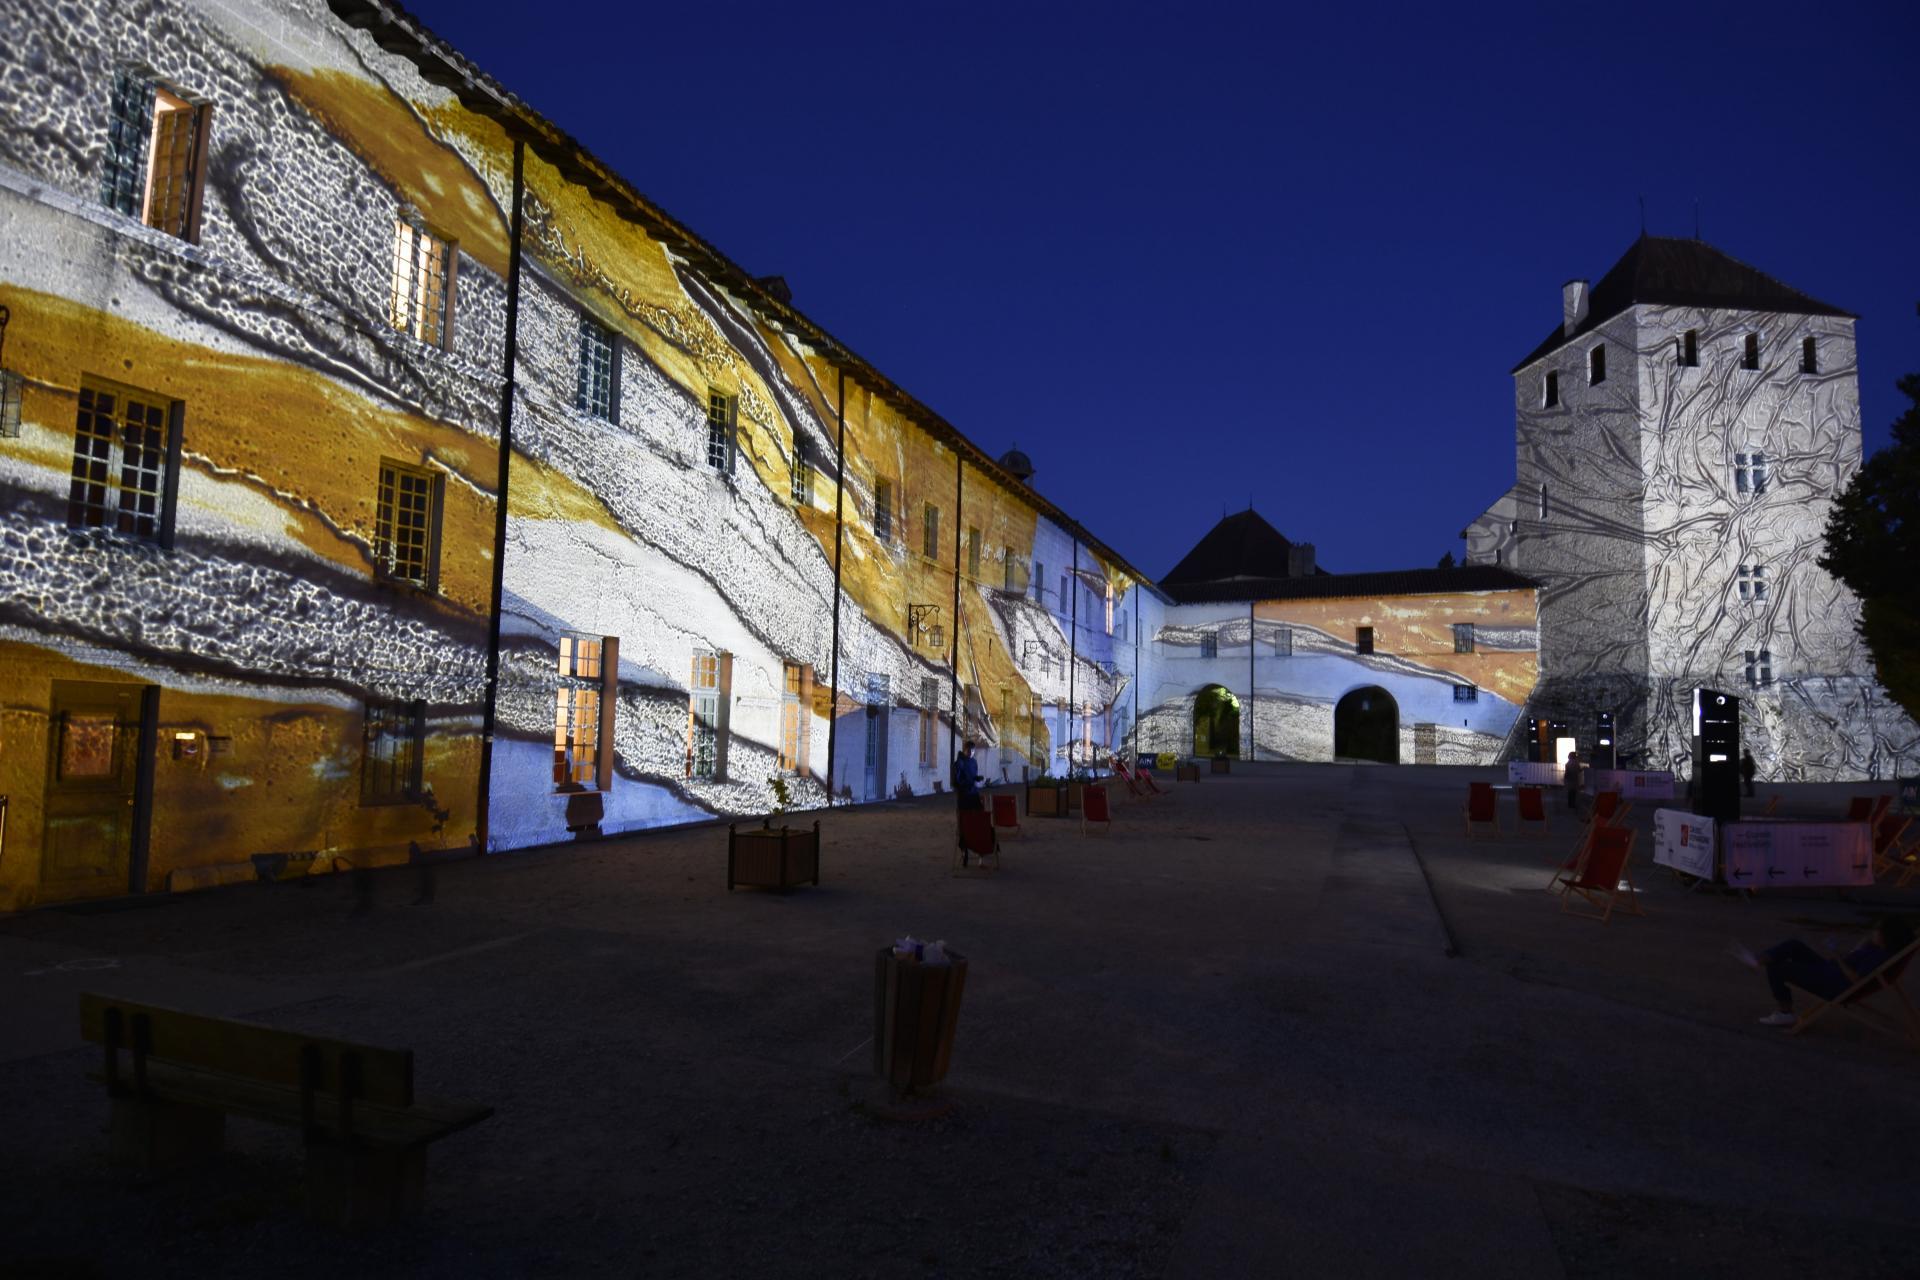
[(1888, 857), (1608, 811), (1483, 808), (1125, 775), (1006, 814), (1859, 809), (1093, 808), (1533, 810), (977, 837), (1146, 780), (1852, 1001), (1603, 874)]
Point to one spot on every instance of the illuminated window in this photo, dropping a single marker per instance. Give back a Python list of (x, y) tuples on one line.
[(796, 682), (593, 387), (1363, 640), (1465, 693), (1753, 582), (1463, 637), (1686, 349), (973, 552), (1750, 352), (1209, 644), (802, 482), (1597, 365), (1809, 356), (930, 532), (929, 720), (406, 532), (421, 301), (1550, 393), (707, 714), (1759, 668), (1750, 473), (156, 155), (720, 431), (577, 711), (391, 738), (125, 463), (883, 509)]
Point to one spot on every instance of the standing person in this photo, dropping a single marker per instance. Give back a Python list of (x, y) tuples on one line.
[(1747, 768), (966, 778), (1573, 774), (1794, 963)]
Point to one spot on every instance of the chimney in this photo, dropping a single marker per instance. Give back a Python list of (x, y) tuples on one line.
[(1573, 305), (1300, 560), (778, 287)]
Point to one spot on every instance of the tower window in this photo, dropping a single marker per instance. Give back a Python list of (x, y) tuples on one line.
[(156, 155), (1597, 365), (1750, 473), (1750, 352), (1753, 582), (1809, 356), (1550, 393), (1687, 347)]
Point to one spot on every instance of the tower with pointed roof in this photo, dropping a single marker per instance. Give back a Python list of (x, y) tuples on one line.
[(1681, 436)]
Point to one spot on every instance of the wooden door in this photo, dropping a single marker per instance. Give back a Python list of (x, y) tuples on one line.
[(92, 772)]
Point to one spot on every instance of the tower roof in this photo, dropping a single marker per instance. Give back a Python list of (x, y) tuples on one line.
[(1685, 273), (1243, 545)]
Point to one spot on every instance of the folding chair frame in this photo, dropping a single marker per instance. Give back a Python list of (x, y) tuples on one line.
[(1595, 895), (1885, 978)]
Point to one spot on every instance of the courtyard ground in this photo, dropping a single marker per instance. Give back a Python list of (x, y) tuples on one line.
[(1227, 1040)]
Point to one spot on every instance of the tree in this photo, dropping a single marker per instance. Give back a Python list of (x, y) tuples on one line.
[(1873, 545), (1446, 561)]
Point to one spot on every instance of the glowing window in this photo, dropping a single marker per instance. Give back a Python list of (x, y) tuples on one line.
[(883, 509), (577, 711), (593, 386), (421, 299), (406, 530), (1750, 352), (392, 738), (1597, 365), (720, 433), (156, 162), (123, 464)]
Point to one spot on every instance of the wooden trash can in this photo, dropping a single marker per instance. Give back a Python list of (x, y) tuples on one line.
[(1188, 772), (1222, 764), (771, 858), (915, 1009)]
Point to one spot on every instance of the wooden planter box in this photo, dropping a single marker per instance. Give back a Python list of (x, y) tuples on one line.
[(1186, 773), (1222, 764), (773, 859), (1046, 802), (915, 1009)]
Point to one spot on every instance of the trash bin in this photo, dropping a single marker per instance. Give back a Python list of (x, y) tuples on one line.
[(915, 1007)]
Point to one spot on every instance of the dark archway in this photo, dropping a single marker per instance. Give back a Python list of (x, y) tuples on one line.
[(1216, 722), (1366, 726)]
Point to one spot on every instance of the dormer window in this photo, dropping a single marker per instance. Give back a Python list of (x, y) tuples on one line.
[(1687, 349), (1597, 366), (1750, 353), (1550, 392)]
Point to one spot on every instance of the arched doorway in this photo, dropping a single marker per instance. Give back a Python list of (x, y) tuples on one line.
[(1216, 722), (1366, 726)]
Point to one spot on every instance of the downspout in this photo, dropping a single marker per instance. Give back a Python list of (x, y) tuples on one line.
[(1073, 645), (490, 716), (839, 527), (959, 525)]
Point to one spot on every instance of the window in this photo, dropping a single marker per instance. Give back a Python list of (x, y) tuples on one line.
[(707, 698), (1543, 502), (929, 721), (593, 386), (156, 155), (1106, 591), (1550, 393), (421, 302), (1283, 642), (1750, 352), (390, 750), (930, 532), (1759, 668), (1039, 576), (796, 692), (720, 421), (1687, 349), (1012, 580), (126, 462), (1066, 601), (1463, 637), (1465, 693), (1750, 473), (1209, 644), (1120, 625), (586, 665), (801, 489), (883, 510), (1753, 582), (1363, 640), (1597, 366), (1809, 356), (406, 531), (973, 552)]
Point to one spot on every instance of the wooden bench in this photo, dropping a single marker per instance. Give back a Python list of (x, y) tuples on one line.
[(174, 1077)]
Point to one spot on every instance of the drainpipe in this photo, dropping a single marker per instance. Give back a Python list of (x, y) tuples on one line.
[(839, 527), (1073, 645), (959, 526), (490, 716)]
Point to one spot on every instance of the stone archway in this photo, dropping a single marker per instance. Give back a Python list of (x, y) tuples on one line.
[(1216, 722), (1366, 726)]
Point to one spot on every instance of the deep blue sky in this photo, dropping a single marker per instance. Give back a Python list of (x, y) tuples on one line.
[(1185, 259)]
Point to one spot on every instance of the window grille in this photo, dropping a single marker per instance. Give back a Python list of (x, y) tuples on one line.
[(405, 524), (720, 433), (703, 759), (121, 463), (801, 485), (883, 510), (392, 736), (1465, 693), (593, 389), (1463, 637), (154, 163), (1209, 644), (422, 275)]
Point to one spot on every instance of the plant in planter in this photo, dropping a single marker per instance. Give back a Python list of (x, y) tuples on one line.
[(774, 857), (1047, 797)]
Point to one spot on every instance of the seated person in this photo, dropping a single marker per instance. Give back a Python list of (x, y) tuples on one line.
[(1795, 964)]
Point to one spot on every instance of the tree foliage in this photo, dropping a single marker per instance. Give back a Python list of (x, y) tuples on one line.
[(1873, 545)]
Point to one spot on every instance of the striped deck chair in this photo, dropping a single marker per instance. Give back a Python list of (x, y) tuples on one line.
[(1604, 876), (1483, 808), (1533, 810), (1006, 814), (1853, 1001)]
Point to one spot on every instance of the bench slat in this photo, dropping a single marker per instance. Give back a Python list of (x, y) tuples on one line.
[(269, 1055)]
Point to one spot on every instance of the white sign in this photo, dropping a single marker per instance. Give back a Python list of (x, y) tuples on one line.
[(1521, 773), (1780, 855), (1683, 841), (1634, 784)]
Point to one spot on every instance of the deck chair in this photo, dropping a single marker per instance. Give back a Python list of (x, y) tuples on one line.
[(1564, 873), (1533, 810), (1859, 809), (1854, 999), (1483, 808), (1146, 780), (1093, 809), (1126, 775), (1603, 875), (1773, 802), (1888, 855), (978, 839), (1006, 814), (1608, 809), (1903, 863)]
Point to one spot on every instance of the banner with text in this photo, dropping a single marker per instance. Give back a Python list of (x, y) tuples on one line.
[(1526, 774), (1634, 784), (1683, 841), (1775, 855)]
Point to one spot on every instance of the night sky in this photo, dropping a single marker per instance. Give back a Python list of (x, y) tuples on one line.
[(1185, 260)]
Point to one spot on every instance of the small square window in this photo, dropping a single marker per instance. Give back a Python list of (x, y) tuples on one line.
[(1597, 365), (1550, 392), (720, 431), (1463, 637), (1209, 645), (1750, 352), (1283, 642), (1753, 583), (1363, 640), (1750, 473), (421, 299), (1465, 693), (593, 384)]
